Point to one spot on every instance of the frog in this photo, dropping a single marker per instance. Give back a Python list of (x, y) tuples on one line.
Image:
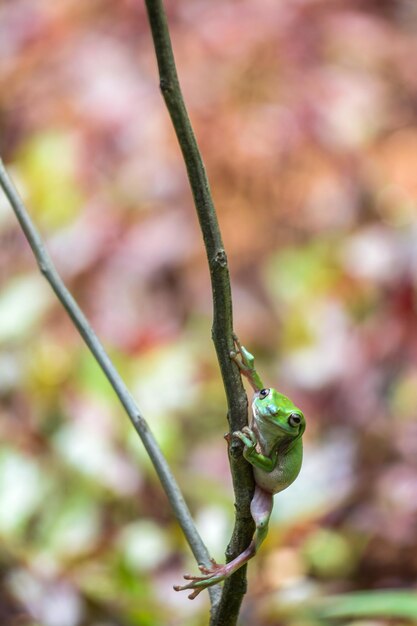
[(273, 445)]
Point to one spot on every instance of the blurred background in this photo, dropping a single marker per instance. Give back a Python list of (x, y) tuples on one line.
[(305, 111)]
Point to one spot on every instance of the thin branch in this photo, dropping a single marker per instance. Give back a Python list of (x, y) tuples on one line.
[(160, 464), (222, 330)]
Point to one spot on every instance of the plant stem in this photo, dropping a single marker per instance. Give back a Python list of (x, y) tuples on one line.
[(160, 464), (222, 329)]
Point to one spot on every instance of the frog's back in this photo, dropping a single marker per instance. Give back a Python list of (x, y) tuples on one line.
[(285, 472)]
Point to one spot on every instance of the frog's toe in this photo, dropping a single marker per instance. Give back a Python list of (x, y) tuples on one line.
[(210, 571), (249, 432), (195, 590)]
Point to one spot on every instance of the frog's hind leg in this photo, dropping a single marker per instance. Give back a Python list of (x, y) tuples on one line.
[(261, 507)]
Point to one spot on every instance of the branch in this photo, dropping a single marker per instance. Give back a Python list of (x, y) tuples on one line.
[(222, 329), (160, 464)]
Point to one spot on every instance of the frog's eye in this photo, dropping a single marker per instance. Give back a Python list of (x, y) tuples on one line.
[(294, 419), (263, 393)]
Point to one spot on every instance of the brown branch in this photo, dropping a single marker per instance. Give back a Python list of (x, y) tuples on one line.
[(222, 330)]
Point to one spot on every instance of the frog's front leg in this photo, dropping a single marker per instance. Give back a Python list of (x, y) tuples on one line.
[(246, 364), (260, 508), (248, 438)]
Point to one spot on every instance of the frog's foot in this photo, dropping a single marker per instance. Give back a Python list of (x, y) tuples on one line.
[(242, 357), (211, 576), (247, 436), (245, 362), (260, 508)]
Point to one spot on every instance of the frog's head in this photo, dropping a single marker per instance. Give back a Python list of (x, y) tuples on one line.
[(275, 410)]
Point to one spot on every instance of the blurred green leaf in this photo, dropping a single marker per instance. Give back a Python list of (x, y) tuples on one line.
[(329, 553), (75, 527), (22, 488), (402, 398), (295, 273), (22, 304), (382, 603), (144, 545), (47, 163)]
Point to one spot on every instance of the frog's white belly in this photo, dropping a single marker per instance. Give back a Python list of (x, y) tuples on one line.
[(284, 473)]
